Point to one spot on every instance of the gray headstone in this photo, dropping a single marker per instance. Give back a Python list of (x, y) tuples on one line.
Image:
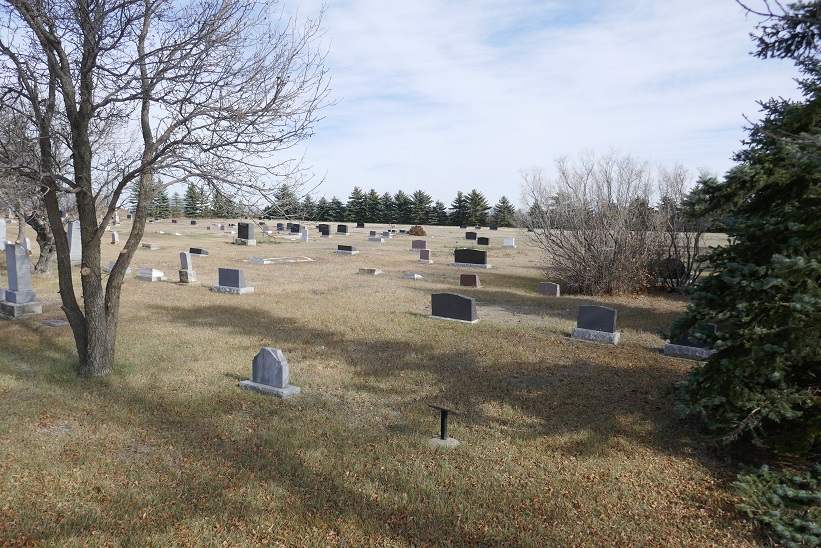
[(470, 256), (185, 261), (270, 367), (597, 318), (509, 242), (19, 273), (231, 277), (193, 223), (419, 244), (280, 227), (346, 248), (550, 289), (115, 238), (245, 231), (75, 245), (372, 234), (453, 306), (304, 237)]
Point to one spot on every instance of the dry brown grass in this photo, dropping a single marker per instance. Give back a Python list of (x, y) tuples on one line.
[(563, 442)]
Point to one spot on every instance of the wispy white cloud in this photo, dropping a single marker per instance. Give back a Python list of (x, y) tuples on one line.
[(452, 95)]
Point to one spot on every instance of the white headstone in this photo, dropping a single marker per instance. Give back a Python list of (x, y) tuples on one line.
[(509, 242), (304, 235), (115, 238), (75, 245)]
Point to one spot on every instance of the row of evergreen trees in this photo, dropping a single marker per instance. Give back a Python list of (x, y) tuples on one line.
[(371, 207), (195, 204)]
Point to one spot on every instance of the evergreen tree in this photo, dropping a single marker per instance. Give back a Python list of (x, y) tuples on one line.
[(387, 209), (323, 210), (336, 210), (503, 212), (439, 214), (220, 206), (765, 287), (176, 205), (355, 210), (403, 205), (460, 210), (160, 206), (372, 207), (308, 208), (420, 207), (478, 207), (192, 202)]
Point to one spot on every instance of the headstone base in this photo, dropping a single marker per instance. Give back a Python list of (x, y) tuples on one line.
[(687, 352), (233, 290), (412, 276), (452, 319), (379, 240), (425, 261), (509, 246), (439, 442), (14, 311), (55, 323), (269, 390), (471, 265), (187, 276), (21, 296), (595, 336), (347, 252), (152, 278), (242, 241)]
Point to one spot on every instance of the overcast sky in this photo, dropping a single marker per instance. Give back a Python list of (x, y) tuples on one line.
[(450, 95)]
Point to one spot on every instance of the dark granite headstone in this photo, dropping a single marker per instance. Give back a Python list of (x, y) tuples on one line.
[(345, 248), (280, 227), (193, 222), (469, 280), (360, 224), (231, 277), (200, 252), (245, 231), (688, 338), (470, 256), (494, 227), (470, 235), (597, 318), (372, 234), (483, 241), (463, 226), (296, 229), (341, 229), (453, 306), (173, 221), (550, 289), (128, 216)]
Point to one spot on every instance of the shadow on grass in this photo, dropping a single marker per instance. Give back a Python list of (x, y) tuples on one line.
[(583, 405)]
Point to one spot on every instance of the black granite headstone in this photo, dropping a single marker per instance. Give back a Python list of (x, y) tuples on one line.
[(483, 241), (245, 231), (360, 224), (372, 234), (345, 248), (341, 229), (463, 226), (688, 338), (295, 229), (470, 256), (280, 227), (470, 235), (597, 318), (173, 221), (453, 306), (231, 277), (198, 251), (494, 227)]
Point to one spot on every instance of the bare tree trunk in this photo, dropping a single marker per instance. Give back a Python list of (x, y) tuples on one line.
[(45, 239)]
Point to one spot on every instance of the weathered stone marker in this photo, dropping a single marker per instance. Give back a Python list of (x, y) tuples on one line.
[(509, 242), (75, 245), (231, 280), (151, 275), (270, 374), (418, 244), (187, 273), (19, 300), (550, 289)]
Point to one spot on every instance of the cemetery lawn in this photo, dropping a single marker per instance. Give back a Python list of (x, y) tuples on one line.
[(562, 442)]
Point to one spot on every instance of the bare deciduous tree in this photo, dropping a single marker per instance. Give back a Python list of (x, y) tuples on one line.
[(214, 90), (593, 222)]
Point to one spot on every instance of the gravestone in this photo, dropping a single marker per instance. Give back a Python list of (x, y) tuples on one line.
[(494, 227), (469, 280), (2, 231), (198, 251), (483, 241), (375, 239), (193, 222), (418, 244), (346, 249), (296, 229), (27, 245), (280, 227), (509, 242), (151, 275), (360, 224), (372, 234), (115, 238), (75, 245), (19, 300), (173, 221), (342, 229), (402, 231), (470, 235), (370, 271), (424, 256), (453, 306), (270, 374), (304, 237), (690, 346), (412, 276), (596, 323), (324, 230), (232, 280), (549, 289), (387, 234), (187, 274), (464, 256), (152, 247), (128, 216), (245, 234), (463, 226)]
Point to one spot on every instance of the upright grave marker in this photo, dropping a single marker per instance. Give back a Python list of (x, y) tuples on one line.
[(187, 274), (304, 237), (245, 234), (509, 242), (550, 289), (270, 374), (346, 249), (232, 280), (476, 258), (19, 300), (2, 231), (470, 235), (469, 280), (453, 306), (424, 256), (416, 245), (342, 230), (75, 246), (596, 323), (482, 240)]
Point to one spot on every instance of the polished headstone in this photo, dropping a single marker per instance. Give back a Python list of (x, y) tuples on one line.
[(453, 306)]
